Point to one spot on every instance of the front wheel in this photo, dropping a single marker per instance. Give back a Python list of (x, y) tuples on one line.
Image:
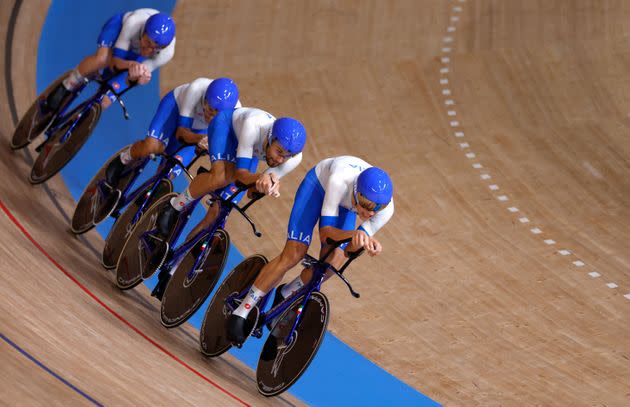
[(188, 289), (55, 153), (281, 364), (213, 339)]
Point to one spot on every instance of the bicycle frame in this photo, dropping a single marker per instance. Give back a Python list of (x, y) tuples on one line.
[(224, 211), (63, 116), (319, 268)]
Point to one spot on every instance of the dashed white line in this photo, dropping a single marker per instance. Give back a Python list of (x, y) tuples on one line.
[(494, 187)]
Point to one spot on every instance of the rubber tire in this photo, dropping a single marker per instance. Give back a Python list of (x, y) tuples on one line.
[(212, 335), (183, 298)]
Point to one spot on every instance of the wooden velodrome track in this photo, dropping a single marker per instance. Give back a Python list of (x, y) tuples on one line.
[(505, 278)]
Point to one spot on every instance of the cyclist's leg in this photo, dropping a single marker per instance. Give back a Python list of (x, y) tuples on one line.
[(225, 193), (223, 157), (160, 136), (304, 215)]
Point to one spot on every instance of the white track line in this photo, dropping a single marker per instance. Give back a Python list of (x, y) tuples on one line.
[(449, 39)]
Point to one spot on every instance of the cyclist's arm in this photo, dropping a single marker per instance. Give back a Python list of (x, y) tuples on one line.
[(286, 167), (334, 233), (189, 136), (119, 64), (245, 154), (162, 58), (335, 189), (371, 226)]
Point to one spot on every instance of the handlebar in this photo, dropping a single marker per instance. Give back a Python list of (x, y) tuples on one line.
[(310, 261), (104, 83)]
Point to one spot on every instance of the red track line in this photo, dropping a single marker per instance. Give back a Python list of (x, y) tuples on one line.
[(111, 311)]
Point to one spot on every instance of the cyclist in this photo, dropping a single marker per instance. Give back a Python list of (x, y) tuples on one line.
[(139, 41), (184, 116), (254, 134), (335, 191)]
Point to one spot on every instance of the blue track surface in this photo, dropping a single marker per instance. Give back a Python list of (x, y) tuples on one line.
[(338, 375)]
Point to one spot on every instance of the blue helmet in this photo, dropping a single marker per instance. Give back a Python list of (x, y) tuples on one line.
[(160, 28), (375, 186), (289, 133), (222, 94)]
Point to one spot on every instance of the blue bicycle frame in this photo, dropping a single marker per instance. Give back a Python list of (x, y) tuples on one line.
[(165, 168), (226, 206), (63, 116), (319, 267)]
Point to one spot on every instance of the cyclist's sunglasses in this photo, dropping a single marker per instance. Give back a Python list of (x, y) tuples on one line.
[(367, 204)]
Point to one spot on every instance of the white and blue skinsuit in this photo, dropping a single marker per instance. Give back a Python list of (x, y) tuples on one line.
[(123, 32), (326, 194), (183, 107), (245, 143)]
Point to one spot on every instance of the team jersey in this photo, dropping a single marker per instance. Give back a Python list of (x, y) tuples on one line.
[(252, 128), (127, 45), (338, 175)]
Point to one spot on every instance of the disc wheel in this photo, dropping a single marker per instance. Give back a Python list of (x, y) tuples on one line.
[(33, 123), (188, 289), (281, 364), (55, 154), (121, 230), (134, 262), (213, 338), (89, 202)]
